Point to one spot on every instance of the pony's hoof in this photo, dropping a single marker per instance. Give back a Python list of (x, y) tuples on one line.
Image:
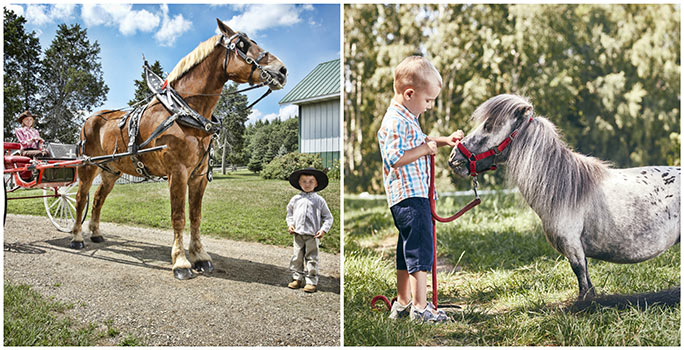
[(97, 239), (204, 266), (183, 274), (77, 245)]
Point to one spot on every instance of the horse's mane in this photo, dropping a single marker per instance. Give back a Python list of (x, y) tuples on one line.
[(548, 173), (193, 58)]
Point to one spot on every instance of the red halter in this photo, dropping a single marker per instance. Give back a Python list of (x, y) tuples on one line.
[(492, 152)]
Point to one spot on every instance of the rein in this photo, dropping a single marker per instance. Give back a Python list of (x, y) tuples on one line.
[(475, 202), (492, 152)]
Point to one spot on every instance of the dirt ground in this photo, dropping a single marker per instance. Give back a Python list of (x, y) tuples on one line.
[(128, 280)]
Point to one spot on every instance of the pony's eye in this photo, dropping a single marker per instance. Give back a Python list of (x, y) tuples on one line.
[(488, 125)]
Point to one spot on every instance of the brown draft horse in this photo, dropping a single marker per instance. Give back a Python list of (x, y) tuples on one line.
[(199, 78)]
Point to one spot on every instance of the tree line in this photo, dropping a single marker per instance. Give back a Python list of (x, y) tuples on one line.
[(607, 75)]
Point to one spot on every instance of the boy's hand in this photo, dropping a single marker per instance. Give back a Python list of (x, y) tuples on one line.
[(319, 234), (291, 229), (431, 146), (455, 138)]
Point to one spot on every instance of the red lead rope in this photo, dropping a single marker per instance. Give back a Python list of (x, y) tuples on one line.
[(435, 217)]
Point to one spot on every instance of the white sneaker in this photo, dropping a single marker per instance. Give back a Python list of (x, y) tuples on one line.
[(400, 311), (429, 314)]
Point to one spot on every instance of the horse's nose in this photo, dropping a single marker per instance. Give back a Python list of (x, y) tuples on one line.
[(283, 70)]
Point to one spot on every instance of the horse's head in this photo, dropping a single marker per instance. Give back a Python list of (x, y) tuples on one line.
[(500, 119), (249, 63)]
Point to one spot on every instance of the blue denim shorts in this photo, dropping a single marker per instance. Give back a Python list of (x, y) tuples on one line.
[(413, 219)]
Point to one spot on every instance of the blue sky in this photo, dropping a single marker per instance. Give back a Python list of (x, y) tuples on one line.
[(302, 36)]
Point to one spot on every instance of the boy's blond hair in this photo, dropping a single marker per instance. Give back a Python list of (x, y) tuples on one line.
[(415, 72)]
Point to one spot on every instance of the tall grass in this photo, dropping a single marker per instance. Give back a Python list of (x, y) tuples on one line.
[(238, 206), (511, 287)]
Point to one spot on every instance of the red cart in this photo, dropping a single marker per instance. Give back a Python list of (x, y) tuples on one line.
[(56, 176)]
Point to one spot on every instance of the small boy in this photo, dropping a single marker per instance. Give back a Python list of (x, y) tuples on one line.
[(305, 212), (403, 147)]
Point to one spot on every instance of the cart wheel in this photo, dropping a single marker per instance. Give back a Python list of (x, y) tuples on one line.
[(4, 217), (62, 210)]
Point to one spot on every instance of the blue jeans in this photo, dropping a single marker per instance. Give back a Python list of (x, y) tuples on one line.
[(413, 219)]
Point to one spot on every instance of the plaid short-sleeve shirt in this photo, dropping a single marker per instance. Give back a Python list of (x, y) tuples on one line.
[(400, 132)]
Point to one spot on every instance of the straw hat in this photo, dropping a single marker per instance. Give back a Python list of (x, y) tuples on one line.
[(24, 115)]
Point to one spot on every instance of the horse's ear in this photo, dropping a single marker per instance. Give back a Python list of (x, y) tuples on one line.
[(524, 111), (224, 28)]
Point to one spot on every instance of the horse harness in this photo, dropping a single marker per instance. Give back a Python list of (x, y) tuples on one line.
[(182, 113), (492, 152)]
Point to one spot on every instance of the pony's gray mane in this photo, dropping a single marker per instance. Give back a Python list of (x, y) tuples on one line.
[(548, 173), (499, 108)]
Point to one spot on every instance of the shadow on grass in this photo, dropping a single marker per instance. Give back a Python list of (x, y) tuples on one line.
[(157, 257), (669, 297)]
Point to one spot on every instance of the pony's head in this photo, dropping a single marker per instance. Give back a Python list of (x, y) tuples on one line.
[(500, 119), (246, 62)]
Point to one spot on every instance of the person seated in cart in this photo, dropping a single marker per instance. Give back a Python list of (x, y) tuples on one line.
[(29, 137)]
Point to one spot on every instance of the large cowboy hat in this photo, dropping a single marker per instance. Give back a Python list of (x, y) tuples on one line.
[(24, 115), (320, 176)]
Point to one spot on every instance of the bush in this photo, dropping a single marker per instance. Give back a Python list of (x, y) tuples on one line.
[(334, 170), (281, 167)]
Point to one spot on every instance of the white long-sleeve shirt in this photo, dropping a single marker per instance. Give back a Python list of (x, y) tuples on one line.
[(306, 211)]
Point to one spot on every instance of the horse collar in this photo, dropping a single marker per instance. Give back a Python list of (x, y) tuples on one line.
[(492, 152)]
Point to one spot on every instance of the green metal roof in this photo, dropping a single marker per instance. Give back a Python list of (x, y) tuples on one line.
[(323, 81)]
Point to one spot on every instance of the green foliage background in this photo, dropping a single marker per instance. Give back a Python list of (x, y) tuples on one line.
[(607, 75)]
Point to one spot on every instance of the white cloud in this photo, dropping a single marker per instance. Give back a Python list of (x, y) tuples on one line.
[(171, 29), (35, 14), (104, 14), (138, 20), (17, 9), (254, 116), (264, 16), (123, 16), (44, 14), (287, 112), (62, 11)]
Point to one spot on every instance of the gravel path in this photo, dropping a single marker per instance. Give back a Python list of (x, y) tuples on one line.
[(128, 280)]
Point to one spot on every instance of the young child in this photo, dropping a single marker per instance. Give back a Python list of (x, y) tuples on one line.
[(29, 137), (403, 147), (305, 212)]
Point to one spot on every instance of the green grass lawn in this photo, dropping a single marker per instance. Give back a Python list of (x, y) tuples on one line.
[(512, 286), (31, 319), (238, 206)]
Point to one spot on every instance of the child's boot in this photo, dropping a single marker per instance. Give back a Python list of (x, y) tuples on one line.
[(310, 288), (295, 284)]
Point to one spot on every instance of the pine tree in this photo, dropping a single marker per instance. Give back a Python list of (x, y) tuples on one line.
[(232, 109), (21, 67), (72, 84), (141, 89)]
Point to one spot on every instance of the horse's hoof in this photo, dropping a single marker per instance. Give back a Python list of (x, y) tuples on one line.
[(183, 274), (77, 245), (97, 239), (204, 266)]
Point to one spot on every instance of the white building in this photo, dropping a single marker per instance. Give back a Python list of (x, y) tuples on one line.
[(318, 99)]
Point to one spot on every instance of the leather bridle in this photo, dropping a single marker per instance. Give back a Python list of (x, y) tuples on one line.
[(492, 152), (240, 44)]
